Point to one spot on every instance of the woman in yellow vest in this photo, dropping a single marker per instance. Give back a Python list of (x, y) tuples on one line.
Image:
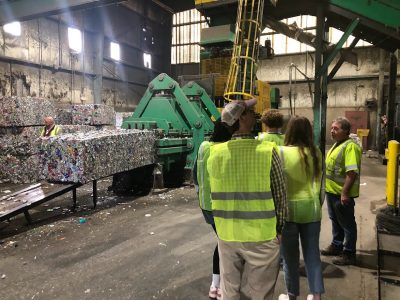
[(302, 163), (200, 177)]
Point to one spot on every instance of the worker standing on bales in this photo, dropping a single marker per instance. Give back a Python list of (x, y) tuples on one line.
[(50, 128)]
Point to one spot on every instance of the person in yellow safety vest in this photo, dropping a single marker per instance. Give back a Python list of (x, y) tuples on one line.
[(342, 184), (50, 128), (220, 134), (248, 193), (302, 164), (273, 121)]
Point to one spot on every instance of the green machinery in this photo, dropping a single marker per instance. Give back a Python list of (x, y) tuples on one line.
[(183, 119)]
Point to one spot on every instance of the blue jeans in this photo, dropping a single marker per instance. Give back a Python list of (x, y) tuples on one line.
[(344, 227), (309, 236)]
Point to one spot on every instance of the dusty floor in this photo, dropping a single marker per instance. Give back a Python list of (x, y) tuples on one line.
[(152, 247)]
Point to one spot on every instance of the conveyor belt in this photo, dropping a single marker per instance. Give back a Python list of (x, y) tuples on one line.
[(23, 200)]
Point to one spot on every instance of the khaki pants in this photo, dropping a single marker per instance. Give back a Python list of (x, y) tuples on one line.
[(262, 267)]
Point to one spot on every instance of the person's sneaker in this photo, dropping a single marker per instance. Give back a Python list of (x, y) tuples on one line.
[(219, 294), (345, 259), (332, 250), (283, 297), (213, 293), (310, 297)]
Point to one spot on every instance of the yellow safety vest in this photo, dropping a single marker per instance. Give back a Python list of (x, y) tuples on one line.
[(202, 176), (303, 190), (242, 203), (55, 131), (277, 138), (339, 160)]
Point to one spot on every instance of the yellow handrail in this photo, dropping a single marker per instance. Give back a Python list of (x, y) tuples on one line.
[(242, 73)]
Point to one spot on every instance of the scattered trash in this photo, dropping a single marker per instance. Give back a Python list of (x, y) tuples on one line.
[(51, 225), (152, 233), (6, 191), (147, 215), (49, 209), (82, 221), (3, 276), (364, 183), (162, 244), (87, 291)]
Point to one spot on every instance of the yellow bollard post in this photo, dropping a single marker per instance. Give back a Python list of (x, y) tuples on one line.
[(392, 173)]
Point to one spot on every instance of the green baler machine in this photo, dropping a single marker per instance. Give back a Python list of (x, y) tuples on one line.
[(183, 119)]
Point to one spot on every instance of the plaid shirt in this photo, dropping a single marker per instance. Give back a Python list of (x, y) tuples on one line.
[(278, 185)]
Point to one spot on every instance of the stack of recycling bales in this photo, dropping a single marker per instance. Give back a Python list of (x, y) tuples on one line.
[(84, 157), (92, 114), (20, 121)]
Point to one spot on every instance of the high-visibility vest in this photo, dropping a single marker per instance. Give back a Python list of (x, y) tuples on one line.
[(303, 190), (339, 160), (202, 176), (242, 203), (277, 138), (55, 131)]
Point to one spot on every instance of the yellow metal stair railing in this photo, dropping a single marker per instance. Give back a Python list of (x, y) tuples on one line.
[(242, 74)]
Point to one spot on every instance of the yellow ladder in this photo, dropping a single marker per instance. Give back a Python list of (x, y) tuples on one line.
[(242, 73)]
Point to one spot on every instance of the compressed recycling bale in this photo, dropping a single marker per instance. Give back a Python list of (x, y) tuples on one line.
[(120, 117), (93, 114), (96, 154), (24, 111), (20, 169), (63, 116), (20, 140), (65, 129)]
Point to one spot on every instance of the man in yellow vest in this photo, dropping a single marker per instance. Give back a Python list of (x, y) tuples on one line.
[(273, 121), (343, 163), (50, 128), (248, 193)]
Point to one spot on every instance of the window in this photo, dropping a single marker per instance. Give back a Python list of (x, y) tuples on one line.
[(187, 26), (147, 60), (115, 52), (13, 28), (186, 30), (75, 40)]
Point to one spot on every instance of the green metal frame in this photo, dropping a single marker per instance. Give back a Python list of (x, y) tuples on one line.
[(338, 46), (197, 95), (184, 123), (383, 11)]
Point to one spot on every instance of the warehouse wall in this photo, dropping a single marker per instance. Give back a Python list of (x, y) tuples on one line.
[(348, 91), (40, 63)]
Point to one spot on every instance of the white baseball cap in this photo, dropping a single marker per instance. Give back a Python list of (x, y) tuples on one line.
[(234, 109)]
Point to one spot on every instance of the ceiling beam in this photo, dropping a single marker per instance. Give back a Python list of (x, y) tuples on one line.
[(297, 33), (23, 10)]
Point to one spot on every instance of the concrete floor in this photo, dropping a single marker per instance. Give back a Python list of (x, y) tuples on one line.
[(153, 247)]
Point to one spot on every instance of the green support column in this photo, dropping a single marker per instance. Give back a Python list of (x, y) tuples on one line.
[(317, 81)]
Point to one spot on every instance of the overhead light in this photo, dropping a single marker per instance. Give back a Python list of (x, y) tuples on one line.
[(13, 28)]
